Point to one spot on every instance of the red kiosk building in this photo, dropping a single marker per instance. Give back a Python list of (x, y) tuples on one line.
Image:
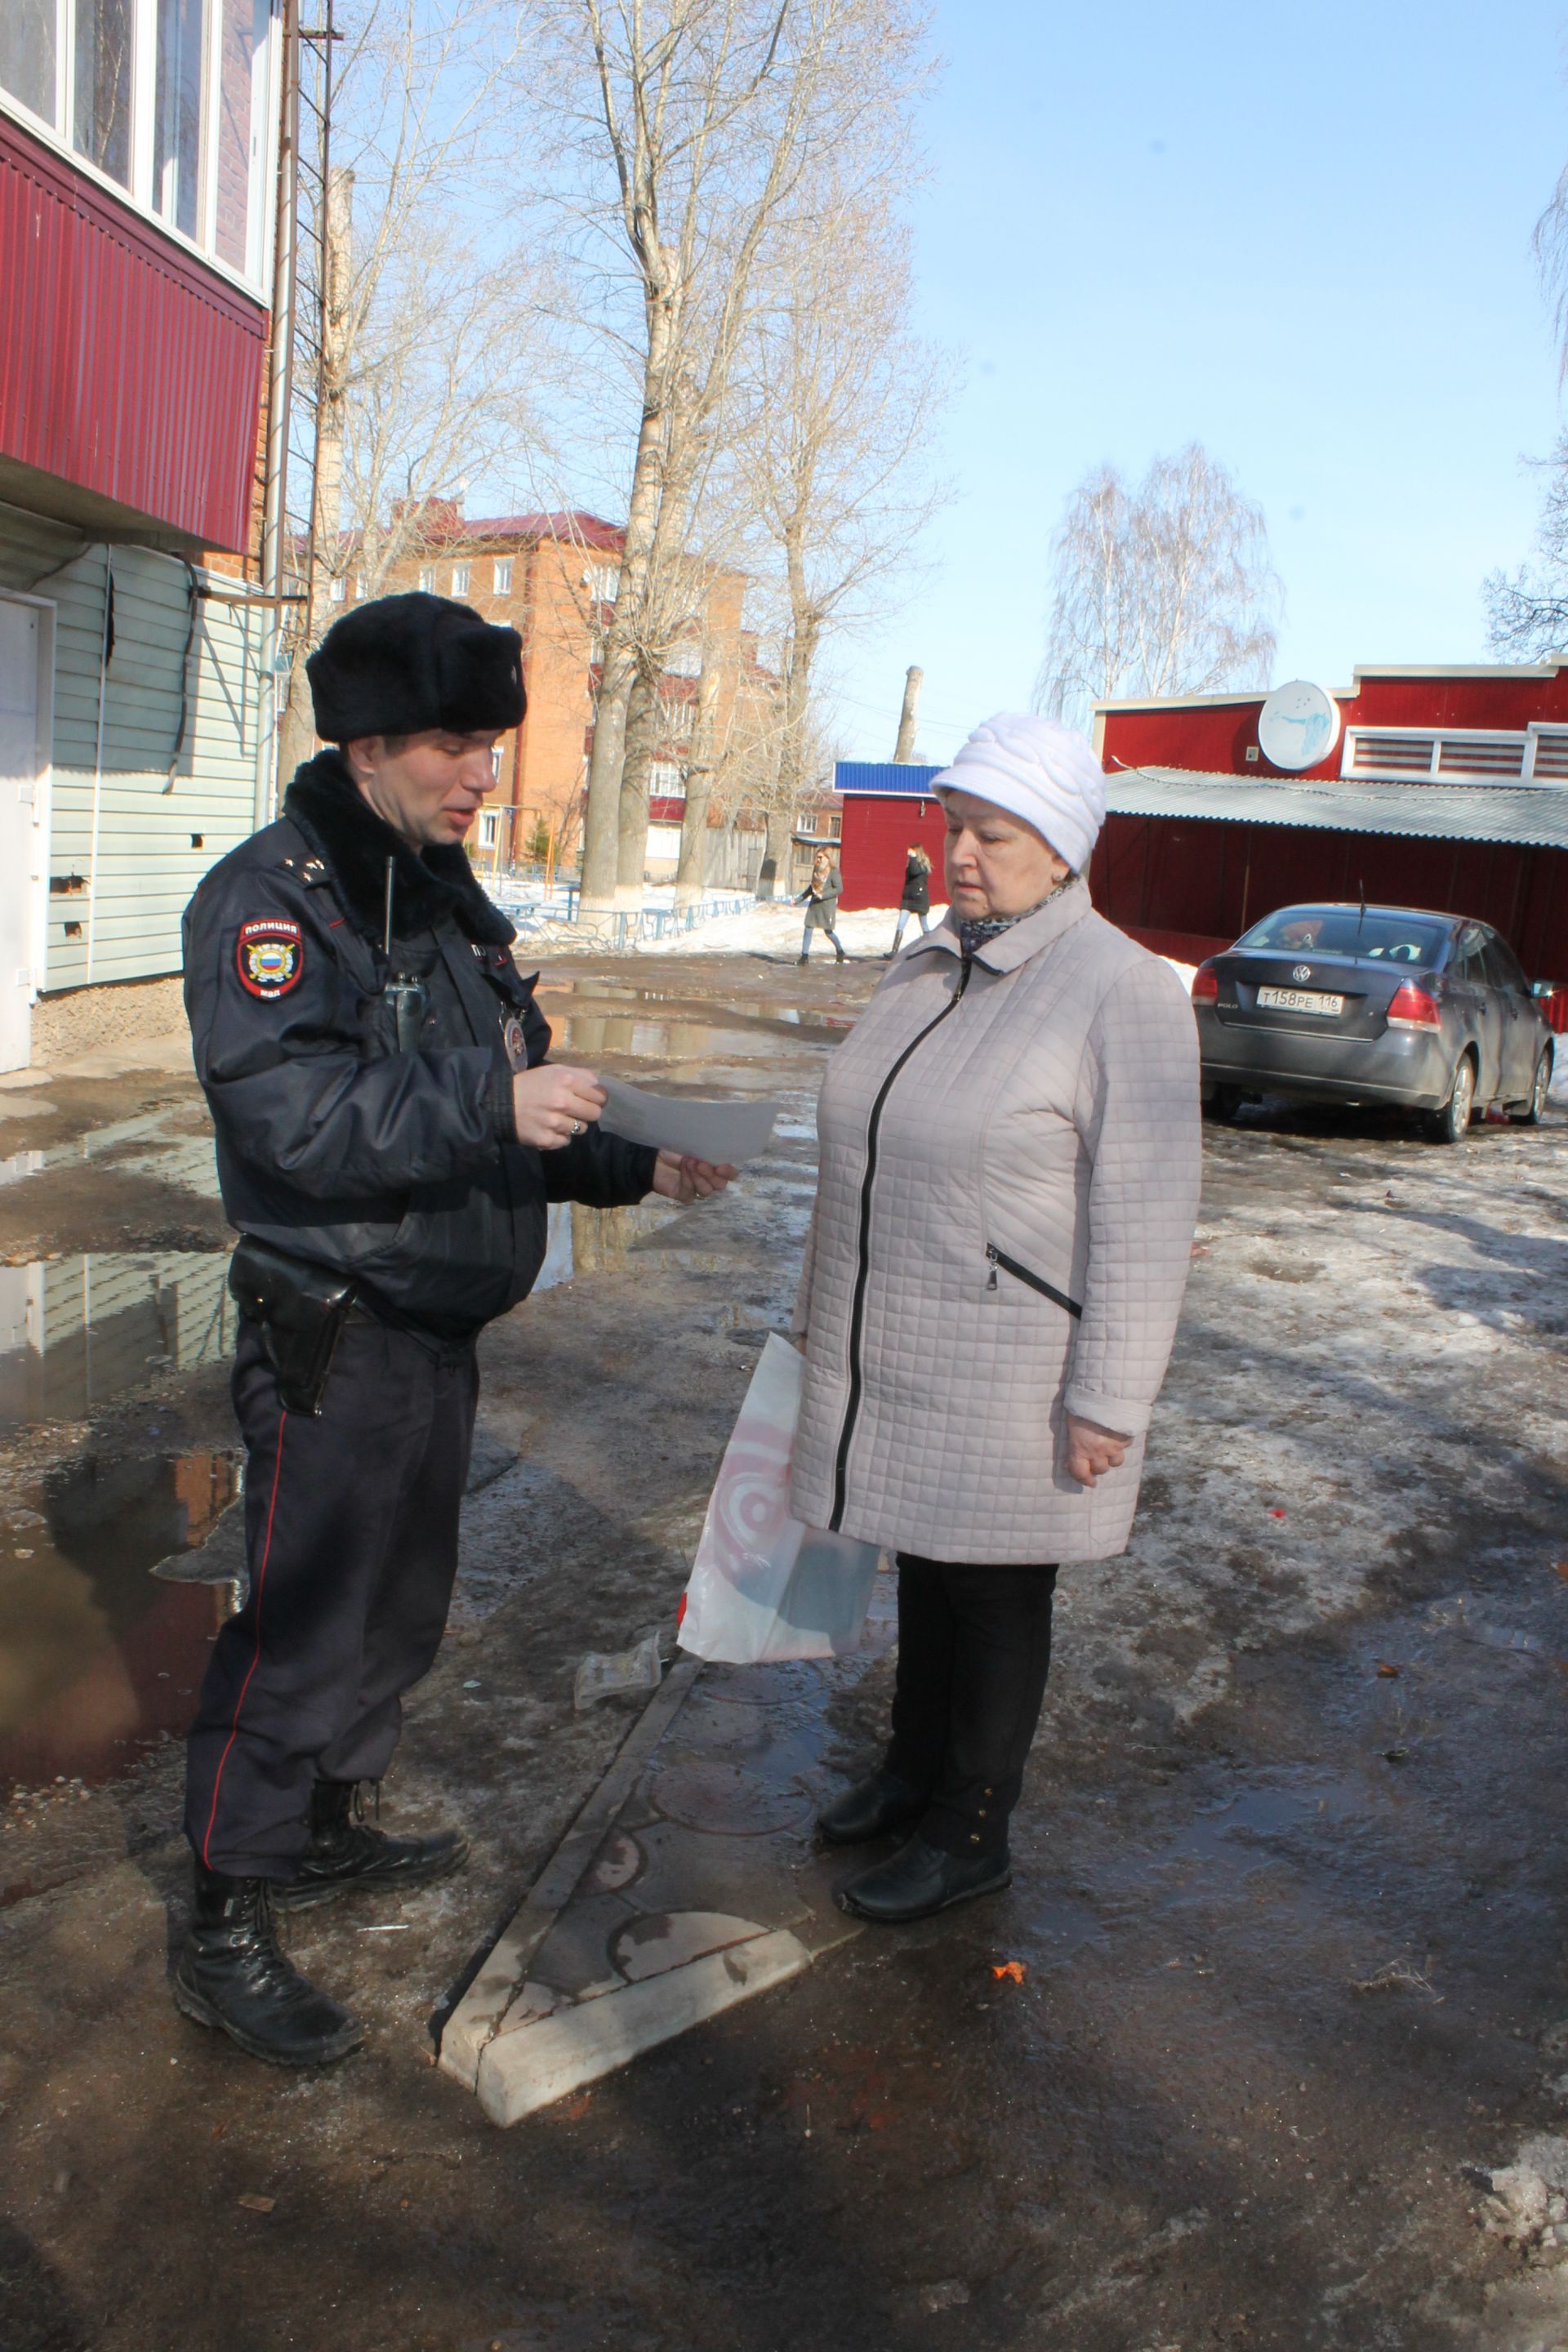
[(1436, 787), (1439, 787)]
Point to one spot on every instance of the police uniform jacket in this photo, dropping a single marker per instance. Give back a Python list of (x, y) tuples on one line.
[(399, 1166)]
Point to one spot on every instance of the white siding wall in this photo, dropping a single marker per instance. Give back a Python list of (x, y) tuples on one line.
[(132, 893)]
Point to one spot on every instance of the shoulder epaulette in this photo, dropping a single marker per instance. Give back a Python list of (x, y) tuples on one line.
[(311, 871)]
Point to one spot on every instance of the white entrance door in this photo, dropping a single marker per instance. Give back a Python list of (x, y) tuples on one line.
[(20, 773)]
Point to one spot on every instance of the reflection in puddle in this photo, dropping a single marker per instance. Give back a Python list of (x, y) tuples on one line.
[(596, 1034), (600, 1238), (98, 1660), (144, 1143), (75, 1331)]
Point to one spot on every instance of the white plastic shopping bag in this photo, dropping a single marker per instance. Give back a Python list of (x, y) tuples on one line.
[(763, 1587)]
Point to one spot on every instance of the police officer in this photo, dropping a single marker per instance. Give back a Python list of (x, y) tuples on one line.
[(389, 1139)]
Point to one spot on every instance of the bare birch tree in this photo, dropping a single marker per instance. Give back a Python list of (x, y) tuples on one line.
[(1165, 588), (421, 351), (1527, 610), (843, 401), (688, 125)]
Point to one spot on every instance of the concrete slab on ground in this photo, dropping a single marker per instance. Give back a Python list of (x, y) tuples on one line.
[(688, 1883)]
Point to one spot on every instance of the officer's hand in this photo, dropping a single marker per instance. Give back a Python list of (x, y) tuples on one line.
[(554, 1103), (683, 1178)]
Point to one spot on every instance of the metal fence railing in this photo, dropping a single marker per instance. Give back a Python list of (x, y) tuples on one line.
[(534, 910)]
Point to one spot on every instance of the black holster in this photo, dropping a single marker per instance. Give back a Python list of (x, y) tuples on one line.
[(300, 1311)]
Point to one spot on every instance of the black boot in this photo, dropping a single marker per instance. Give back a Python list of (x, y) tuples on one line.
[(802, 959), (871, 1809), (344, 1854), (231, 1974), (920, 1879)]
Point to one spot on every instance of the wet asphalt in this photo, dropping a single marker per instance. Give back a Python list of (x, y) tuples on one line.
[(1276, 1987)]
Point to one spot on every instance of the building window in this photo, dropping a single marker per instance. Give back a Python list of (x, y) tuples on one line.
[(459, 579), (337, 591), (28, 35), (359, 586), (503, 580), (604, 583), (427, 579), (684, 660), (177, 115), (664, 781), (101, 126), (170, 99)]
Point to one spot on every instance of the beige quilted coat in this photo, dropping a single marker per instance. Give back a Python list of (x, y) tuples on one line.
[(1035, 1124)]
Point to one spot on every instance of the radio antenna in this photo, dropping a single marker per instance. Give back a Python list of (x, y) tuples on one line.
[(388, 939)]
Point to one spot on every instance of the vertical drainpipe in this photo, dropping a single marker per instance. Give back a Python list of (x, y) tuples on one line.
[(104, 650), (279, 383)]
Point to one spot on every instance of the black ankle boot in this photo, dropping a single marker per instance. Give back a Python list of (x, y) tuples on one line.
[(346, 1853), (871, 1809), (920, 1879), (231, 1974)]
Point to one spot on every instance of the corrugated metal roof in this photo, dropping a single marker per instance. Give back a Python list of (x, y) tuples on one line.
[(884, 776), (1516, 812)]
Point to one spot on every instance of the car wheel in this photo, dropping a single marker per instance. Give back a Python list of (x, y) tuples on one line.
[(1452, 1123), (1534, 1110), (1223, 1104)]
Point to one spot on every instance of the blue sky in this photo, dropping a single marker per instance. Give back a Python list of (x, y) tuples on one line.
[(1300, 236)]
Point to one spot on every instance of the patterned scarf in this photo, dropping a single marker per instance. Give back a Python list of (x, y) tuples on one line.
[(978, 932)]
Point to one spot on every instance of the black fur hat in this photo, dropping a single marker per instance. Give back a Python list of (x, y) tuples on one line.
[(402, 664)]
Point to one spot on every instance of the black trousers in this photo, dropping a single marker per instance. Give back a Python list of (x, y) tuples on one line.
[(351, 1524), (974, 1650)]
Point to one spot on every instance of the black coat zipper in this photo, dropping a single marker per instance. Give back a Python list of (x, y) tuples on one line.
[(1047, 1290), (862, 1267)]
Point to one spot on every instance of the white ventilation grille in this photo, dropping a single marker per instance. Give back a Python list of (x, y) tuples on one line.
[(1552, 755), (1408, 754), (1445, 756), (1470, 755)]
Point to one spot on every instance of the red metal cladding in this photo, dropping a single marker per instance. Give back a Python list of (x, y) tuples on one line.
[(125, 366), (1215, 737), (879, 830), (1188, 887)]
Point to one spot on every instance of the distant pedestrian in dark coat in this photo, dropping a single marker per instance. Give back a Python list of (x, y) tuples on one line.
[(916, 900), (820, 899)]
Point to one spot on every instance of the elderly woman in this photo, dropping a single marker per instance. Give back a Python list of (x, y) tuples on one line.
[(1010, 1167)]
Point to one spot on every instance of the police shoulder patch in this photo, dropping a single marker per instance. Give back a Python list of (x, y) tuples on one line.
[(270, 955)]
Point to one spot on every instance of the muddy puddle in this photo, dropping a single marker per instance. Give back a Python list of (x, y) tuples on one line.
[(75, 1332), (99, 1659), (596, 1034)]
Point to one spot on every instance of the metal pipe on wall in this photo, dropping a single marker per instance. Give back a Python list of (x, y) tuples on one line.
[(280, 389), (105, 654)]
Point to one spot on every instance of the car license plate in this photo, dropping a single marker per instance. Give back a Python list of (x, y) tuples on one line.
[(1299, 999)]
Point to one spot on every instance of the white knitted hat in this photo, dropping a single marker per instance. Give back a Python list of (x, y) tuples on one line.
[(1040, 771)]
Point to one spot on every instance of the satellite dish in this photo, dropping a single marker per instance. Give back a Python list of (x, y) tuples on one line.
[(1298, 725)]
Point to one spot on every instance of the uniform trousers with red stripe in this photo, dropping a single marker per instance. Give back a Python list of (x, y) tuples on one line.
[(351, 1522)]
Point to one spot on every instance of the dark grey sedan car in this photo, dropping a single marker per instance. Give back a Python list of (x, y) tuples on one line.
[(1373, 1005)]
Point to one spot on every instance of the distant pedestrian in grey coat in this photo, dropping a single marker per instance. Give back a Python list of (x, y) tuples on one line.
[(916, 900), (1009, 1178), (820, 899)]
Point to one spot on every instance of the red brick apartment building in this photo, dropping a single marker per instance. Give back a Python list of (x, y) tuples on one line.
[(554, 578)]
